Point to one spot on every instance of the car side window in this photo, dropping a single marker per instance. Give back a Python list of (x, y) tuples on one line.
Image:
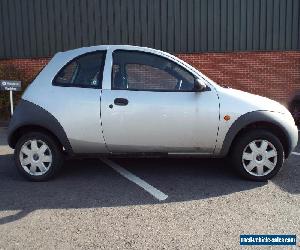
[(135, 70), (84, 71)]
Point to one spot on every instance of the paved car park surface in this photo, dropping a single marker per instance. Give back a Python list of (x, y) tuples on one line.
[(93, 204)]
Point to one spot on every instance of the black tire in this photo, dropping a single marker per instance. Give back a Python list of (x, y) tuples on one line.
[(242, 142), (56, 151)]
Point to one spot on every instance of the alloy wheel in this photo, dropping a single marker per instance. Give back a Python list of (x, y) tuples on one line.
[(259, 157), (35, 157)]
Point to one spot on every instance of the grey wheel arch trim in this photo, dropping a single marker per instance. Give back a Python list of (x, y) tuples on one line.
[(30, 114), (251, 118)]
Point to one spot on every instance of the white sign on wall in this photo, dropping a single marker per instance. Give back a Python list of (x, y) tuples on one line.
[(8, 85)]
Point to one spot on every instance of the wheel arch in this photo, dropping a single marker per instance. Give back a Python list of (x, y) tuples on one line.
[(29, 117), (271, 127), (254, 120), (25, 129)]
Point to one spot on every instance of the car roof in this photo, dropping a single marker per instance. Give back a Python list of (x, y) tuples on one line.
[(61, 58), (83, 50)]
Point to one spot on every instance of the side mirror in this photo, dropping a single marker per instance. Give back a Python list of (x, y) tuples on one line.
[(199, 85)]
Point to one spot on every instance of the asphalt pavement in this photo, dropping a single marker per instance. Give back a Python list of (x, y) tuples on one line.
[(144, 204)]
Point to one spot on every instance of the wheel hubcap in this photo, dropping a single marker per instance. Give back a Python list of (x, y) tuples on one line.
[(35, 157), (259, 157)]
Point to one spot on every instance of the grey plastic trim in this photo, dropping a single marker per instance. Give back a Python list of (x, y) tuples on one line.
[(250, 118), (30, 114)]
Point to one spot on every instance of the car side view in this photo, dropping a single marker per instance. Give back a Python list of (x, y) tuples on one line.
[(126, 100)]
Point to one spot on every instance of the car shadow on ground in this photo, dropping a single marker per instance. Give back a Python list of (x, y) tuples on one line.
[(90, 183)]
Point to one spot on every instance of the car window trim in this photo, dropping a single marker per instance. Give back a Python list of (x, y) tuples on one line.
[(100, 77)]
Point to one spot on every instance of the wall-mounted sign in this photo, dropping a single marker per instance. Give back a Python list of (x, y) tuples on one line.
[(9, 85)]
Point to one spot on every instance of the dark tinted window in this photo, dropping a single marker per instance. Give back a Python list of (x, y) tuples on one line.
[(144, 71), (84, 71)]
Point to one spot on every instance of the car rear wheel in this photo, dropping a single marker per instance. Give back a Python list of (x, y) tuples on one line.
[(258, 155), (38, 156)]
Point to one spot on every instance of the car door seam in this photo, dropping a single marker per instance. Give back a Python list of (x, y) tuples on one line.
[(102, 130)]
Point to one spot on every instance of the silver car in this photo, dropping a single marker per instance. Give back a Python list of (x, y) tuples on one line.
[(127, 100)]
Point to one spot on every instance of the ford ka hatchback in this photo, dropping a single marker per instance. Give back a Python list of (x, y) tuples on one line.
[(128, 100)]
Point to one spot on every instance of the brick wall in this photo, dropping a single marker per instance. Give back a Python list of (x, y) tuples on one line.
[(272, 74), (30, 67)]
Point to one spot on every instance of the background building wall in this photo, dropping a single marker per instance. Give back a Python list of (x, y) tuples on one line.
[(39, 28)]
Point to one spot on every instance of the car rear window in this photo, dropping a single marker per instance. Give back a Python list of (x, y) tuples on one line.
[(83, 71)]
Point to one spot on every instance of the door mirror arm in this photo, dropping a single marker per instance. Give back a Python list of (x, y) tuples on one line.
[(199, 85)]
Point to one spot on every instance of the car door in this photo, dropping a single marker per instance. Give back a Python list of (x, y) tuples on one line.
[(152, 107)]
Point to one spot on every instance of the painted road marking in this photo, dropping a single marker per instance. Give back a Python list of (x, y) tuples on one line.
[(295, 153), (135, 179)]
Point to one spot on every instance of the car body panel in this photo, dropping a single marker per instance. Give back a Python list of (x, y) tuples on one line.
[(76, 109), (236, 103), (160, 121), (78, 112), (28, 114), (289, 131)]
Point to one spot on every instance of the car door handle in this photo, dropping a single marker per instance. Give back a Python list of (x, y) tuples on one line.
[(121, 101)]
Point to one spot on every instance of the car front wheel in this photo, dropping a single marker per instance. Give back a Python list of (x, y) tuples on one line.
[(38, 156), (258, 155)]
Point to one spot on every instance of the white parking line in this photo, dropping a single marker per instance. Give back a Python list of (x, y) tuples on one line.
[(295, 153), (138, 181)]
